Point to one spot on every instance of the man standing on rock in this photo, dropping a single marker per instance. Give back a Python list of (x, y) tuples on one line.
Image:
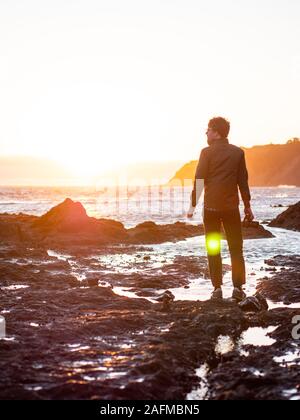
[(222, 171)]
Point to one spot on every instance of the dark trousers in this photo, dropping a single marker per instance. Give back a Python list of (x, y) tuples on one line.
[(231, 220)]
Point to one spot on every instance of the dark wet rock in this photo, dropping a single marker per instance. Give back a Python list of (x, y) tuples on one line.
[(256, 231), (247, 223), (254, 374), (86, 330), (147, 225), (152, 233), (67, 226), (167, 296), (283, 286), (69, 222), (166, 299), (67, 216), (15, 228), (103, 283), (173, 275), (284, 261), (253, 230), (92, 281), (254, 303), (57, 264), (73, 342), (289, 219)]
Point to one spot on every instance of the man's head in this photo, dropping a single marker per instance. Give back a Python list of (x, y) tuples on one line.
[(218, 128)]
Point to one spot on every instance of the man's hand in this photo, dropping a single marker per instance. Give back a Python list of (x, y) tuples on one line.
[(190, 215), (249, 214), (191, 212)]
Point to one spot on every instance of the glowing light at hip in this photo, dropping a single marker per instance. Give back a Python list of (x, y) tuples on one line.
[(213, 243)]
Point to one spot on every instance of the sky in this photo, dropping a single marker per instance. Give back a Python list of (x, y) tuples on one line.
[(95, 84)]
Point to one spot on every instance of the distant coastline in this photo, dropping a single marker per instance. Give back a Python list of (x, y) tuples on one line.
[(272, 165)]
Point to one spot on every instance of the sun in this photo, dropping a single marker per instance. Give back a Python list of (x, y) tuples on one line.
[(84, 167)]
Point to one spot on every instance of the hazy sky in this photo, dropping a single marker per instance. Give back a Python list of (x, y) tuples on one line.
[(98, 83)]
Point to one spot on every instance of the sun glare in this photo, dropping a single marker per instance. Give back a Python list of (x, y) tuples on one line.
[(213, 243)]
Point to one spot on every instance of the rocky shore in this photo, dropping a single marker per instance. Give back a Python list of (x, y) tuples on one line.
[(73, 334), (270, 371), (67, 225), (68, 338)]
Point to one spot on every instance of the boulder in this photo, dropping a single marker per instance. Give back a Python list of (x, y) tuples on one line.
[(254, 303), (289, 219), (68, 215)]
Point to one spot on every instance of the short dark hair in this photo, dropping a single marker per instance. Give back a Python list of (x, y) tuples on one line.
[(220, 125)]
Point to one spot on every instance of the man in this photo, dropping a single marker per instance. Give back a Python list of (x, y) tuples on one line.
[(222, 167)]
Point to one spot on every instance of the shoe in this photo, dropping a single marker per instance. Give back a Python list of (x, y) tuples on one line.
[(238, 294), (217, 294)]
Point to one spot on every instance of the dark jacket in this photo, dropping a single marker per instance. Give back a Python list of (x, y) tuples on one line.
[(222, 166)]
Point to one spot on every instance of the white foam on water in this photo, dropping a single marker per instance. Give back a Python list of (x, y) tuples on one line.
[(15, 287), (62, 257), (288, 359), (2, 327), (200, 393), (292, 394), (273, 305), (126, 291), (257, 336), (224, 345)]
